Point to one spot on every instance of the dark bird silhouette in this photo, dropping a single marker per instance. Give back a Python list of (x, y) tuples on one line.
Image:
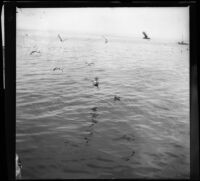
[(106, 40), (125, 137), (94, 109), (96, 82), (145, 36), (87, 140), (34, 52), (61, 38), (116, 98), (89, 64), (57, 68)]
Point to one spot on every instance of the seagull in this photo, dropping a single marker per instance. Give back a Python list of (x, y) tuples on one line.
[(57, 68), (106, 40), (94, 108), (145, 36), (96, 82), (61, 38), (89, 64), (34, 52)]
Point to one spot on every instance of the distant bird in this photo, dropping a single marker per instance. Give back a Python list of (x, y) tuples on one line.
[(116, 98), (18, 166), (34, 52), (89, 64), (96, 82), (145, 36), (61, 38), (129, 157), (87, 139), (106, 40), (57, 68)]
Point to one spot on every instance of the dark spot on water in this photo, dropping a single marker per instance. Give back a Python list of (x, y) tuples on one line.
[(92, 125), (57, 68), (126, 159), (94, 121), (129, 157), (125, 137), (133, 153), (89, 63), (33, 52), (116, 98), (94, 109), (96, 82)]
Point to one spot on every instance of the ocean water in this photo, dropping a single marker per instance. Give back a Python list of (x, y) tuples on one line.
[(67, 128)]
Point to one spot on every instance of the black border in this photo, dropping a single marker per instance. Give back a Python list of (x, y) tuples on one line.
[(9, 102)]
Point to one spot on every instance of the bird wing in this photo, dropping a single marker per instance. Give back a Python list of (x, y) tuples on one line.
[(144, 34), (60, 37)]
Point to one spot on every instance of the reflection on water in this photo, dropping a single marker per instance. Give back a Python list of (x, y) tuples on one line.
[(135, 125)]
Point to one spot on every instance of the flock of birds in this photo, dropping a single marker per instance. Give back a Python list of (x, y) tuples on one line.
[(94, 113), (96, 79)]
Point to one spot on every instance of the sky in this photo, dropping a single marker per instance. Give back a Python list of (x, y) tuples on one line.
[(162, 23)]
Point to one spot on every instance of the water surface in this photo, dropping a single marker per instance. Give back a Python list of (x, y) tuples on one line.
[(67, 128)]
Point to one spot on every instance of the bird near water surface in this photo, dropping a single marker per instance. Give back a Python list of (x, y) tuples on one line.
[(96, 82), (57, 68), (34, 52), (116, 98)]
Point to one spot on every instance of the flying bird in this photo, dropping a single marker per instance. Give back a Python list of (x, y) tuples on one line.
[(96, 82), (61, 38), (57, 68), (106, 40), (145, 36), (34, 52)]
